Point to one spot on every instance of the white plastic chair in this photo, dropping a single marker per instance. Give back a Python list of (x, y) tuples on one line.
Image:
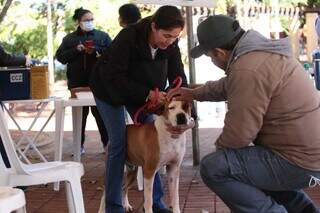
[(12, 199), (21, 174)]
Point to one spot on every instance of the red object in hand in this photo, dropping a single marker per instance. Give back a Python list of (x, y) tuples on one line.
[(88, 43)]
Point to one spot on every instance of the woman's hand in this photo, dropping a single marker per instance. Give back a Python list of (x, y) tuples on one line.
[(176, 131), (73, 91), (80, 47), (157, 97)]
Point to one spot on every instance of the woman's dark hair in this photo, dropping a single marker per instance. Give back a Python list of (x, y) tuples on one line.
[(129, 13), (168, 17), (78, 13), (230, 46)]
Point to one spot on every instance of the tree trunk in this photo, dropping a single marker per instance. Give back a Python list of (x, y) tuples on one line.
[(5, 9)]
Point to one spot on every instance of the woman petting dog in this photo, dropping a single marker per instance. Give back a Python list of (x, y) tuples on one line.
[(143, 56)]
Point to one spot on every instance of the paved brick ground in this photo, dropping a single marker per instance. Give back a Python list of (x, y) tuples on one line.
[(194, 196)]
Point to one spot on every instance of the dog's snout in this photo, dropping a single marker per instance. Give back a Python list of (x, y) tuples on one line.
[(181, 119)]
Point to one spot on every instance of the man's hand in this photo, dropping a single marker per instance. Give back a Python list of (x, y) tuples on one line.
[(176, 131), (193, 86), (181, 94)]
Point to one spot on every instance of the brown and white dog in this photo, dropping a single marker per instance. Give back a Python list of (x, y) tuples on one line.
[(152, 147)]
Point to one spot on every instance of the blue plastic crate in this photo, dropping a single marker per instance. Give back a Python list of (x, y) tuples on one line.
[(14, 83)]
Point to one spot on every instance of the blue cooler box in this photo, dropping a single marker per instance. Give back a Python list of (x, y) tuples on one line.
[(14, 83)]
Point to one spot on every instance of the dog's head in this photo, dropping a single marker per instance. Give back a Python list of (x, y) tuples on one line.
[(176, 112)]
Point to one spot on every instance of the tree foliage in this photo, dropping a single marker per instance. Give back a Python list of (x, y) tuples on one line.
[(32, 42), (313, 3)]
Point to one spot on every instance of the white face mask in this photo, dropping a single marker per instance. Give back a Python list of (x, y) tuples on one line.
[(87, 25)]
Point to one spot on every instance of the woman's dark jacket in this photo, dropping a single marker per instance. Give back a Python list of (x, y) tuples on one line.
[(80, 64), (11, 60), (126, 72)]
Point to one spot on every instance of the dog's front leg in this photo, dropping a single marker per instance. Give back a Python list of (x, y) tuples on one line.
[(173, 175), (148, 189)]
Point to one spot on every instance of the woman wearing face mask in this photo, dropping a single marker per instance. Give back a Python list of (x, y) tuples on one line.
[(80, 51)]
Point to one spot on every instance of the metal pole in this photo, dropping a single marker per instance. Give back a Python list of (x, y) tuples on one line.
[(50, 46), (192, 77)]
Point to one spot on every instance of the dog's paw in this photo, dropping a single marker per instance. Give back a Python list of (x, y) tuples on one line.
[(128, 208)]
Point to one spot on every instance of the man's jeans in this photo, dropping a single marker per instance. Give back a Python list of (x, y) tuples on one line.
[(254, 179), (114, 120)]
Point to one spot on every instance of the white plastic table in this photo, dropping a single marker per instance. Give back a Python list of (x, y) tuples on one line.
[(76, 104)]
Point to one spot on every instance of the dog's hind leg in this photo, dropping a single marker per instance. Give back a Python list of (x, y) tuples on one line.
[(173, 179), (130, 177)]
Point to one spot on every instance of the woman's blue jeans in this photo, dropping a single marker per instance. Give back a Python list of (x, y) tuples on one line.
[(114, 120), (254, 179)]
